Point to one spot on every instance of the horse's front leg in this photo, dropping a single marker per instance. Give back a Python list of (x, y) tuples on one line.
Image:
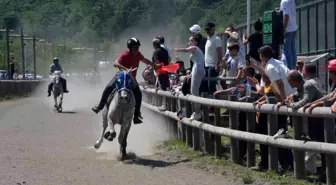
[(60, 102), (55, 102), (111, 134), (101, 139), (124, 130)]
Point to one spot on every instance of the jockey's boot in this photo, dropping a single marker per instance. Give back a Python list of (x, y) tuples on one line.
[(49, 89), (140, 116), (136, 118), (66, 90)]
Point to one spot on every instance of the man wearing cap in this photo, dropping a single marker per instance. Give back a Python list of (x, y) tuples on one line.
[(213, 56), (196, 32)]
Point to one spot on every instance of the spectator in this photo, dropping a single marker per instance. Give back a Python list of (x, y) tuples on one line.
[(289, 9), (309, 73), (161, 55), (276, 72), (307, 92), (331, 96), (248, 72), (299, 66), (196, 32), (162, 41), (255, 40), (12, 68), (233, 36), (261, 121), (213, 56), (197, 73), (235, 61)]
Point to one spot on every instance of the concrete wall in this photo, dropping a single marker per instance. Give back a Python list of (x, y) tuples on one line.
[(18, 87)]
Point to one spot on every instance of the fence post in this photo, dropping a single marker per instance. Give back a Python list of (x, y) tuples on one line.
[(299, 164), (195, 138), (168, 122), (272, 128), (188, 129), (329, 137), (206, 135), (182, 132), (233, 122), (173, 122), (218, 140), (250, 127)]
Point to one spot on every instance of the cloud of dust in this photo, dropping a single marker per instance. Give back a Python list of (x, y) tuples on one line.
[(142, 139), (85, 92)]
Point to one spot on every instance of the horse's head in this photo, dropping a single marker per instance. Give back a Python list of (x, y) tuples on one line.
[(57, 75), (124, 86)]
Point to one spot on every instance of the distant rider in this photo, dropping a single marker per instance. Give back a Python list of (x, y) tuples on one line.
[(126, 60), (57, 67)]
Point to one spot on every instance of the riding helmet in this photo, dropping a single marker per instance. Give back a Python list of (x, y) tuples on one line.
[(133, 42), (56, 59)]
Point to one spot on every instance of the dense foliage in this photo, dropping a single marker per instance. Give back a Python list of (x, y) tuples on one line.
[(91, 22)]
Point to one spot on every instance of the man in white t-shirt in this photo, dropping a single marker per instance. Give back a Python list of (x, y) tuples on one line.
[(276, 72), (213, 56), (289, 10)]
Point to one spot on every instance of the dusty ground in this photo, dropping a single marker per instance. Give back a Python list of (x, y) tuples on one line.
[(39, 147)]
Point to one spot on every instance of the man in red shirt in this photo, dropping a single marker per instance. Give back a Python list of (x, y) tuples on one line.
[(126, 60)]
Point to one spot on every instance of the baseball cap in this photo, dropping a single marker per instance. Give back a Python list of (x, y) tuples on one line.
[(195, 28), (209, 25), (331, 65)]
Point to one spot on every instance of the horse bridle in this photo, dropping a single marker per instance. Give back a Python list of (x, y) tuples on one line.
[(124, 87)]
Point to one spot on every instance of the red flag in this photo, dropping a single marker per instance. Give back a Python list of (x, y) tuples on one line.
[(172, 68)]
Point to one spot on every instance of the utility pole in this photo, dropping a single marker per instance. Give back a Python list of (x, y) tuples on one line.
[(34, 55), (23, 55), (8, 53)]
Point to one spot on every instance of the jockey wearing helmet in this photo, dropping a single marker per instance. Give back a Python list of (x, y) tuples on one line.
[(56, 67), (126, 60)]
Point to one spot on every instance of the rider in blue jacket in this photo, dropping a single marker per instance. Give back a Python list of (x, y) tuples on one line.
[(56, 67)]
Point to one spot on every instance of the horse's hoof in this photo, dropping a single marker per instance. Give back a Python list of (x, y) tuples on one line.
[(107, 134), (111, 136), (97, 145)]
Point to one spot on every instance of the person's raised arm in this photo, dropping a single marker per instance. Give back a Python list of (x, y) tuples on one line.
[(186, 50)]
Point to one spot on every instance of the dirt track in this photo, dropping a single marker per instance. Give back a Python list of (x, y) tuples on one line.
[(39, 147)]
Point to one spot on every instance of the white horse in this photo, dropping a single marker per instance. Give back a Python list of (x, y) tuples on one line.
[(120, 111), (57, 90)]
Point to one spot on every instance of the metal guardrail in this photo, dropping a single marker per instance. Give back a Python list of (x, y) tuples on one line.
[(18, 87), (190, 130)]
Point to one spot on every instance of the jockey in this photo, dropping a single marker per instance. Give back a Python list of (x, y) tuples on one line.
[(56, 67), (126, 60)]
